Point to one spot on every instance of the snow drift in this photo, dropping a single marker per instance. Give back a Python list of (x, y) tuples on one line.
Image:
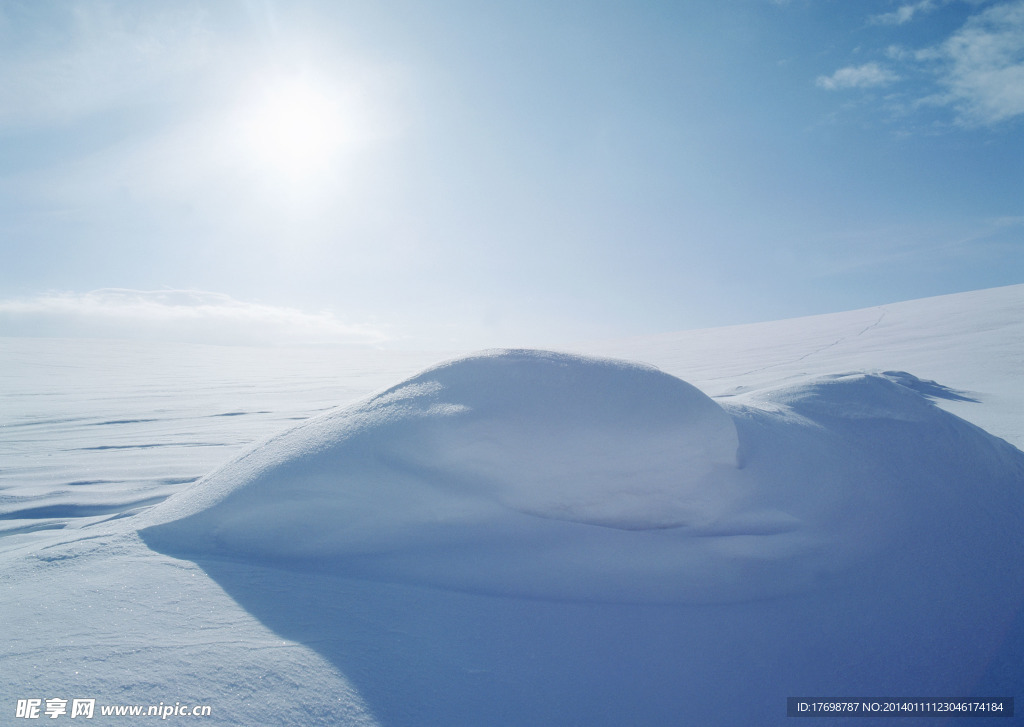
[(543, 475)]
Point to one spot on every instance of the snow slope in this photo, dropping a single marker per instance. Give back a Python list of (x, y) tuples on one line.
[(971, 343), (524, 538)]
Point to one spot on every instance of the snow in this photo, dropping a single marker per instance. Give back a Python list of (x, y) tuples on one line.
[(506, 453), (970, 342), (533, 474), (522, 537)]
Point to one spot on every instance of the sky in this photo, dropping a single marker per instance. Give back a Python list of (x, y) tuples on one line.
[(469, 174)]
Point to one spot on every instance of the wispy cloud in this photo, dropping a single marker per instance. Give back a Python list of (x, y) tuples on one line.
[(981, 66), (904, 14), (977, 71), (175, 315), (865, 76)]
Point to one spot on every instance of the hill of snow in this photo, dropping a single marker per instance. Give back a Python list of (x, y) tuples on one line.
[(831, 508), (532, 474)]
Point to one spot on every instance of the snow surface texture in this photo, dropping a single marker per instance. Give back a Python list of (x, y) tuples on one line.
[(856, 541), (527, 473)]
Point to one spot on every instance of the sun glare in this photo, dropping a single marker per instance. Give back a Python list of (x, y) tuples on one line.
[(295, 128)]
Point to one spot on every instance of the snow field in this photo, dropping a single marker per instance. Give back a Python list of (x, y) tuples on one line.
[(524, 538)]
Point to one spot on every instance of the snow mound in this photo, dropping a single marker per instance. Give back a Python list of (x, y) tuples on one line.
[(546, 475), (590, 441)]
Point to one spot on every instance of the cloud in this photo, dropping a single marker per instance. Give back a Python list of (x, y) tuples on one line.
[(183, 316), (904, 14), (865, 76), (977, 71), (982, 66)]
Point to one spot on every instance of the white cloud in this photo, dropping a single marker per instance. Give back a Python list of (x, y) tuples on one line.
[(904, 14), (175, 315), (982, 66), (977, 71), (865, 76)]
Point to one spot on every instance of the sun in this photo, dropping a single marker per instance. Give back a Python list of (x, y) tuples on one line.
[(295, 128)]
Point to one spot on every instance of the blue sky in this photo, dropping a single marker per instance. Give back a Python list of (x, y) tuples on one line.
[(500, 173)]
